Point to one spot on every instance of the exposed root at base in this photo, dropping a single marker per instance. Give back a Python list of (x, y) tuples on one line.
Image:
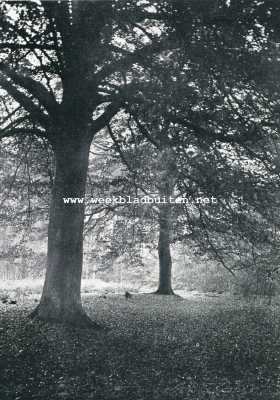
[(78, 319), (168, 292)]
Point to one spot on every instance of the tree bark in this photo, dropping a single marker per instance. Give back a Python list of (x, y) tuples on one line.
[(164, 253), (167, 172), (61, 297)]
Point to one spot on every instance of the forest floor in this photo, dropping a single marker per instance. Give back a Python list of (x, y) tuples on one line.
[(153, 348)]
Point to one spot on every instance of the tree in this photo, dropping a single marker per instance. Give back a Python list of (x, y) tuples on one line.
[(62, 63), (166, 185), (58, 63), (223, 99)]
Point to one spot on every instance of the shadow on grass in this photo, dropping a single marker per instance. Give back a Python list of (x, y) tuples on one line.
[(155, 349)]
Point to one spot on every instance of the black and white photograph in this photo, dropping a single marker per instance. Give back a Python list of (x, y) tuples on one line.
[(140, 200)]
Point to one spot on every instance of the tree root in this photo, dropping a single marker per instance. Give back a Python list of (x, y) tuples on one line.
[(78, 319), (165, 292)]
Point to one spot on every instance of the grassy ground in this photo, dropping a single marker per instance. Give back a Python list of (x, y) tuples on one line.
[(154, 347)]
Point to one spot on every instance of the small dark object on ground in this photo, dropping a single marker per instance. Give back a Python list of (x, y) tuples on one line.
[(13, 302), (4, 301), (128, 295)]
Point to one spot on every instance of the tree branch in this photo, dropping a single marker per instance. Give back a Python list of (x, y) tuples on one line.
[(35, 112), (102, 121), (27, 46), (35, 88), (21, 131), (137, 56), (143, 130), (10, 114), (122, 156), (209, 134)]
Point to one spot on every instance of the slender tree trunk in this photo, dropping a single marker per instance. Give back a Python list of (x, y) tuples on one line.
[(61, 297), (164, 253), (166, 183)]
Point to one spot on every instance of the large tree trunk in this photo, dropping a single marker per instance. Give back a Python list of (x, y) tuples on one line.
[(164, 253), (61, 297)]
